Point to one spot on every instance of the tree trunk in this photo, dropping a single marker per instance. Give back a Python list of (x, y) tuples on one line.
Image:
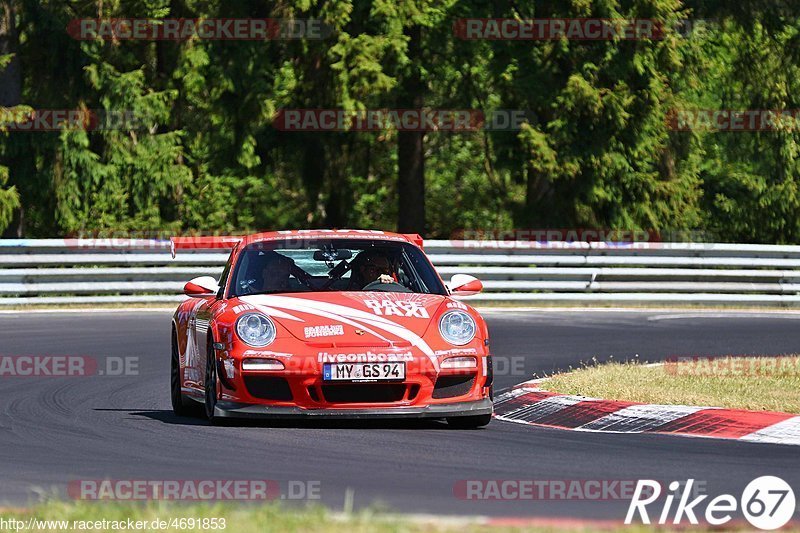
[(313, 174), (538, 198), (410, 148)]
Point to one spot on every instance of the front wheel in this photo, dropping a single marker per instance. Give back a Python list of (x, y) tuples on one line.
[(181, 405), (211, 383), (469, 422)]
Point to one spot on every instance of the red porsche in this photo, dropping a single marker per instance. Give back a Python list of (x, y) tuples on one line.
[(329, 323)]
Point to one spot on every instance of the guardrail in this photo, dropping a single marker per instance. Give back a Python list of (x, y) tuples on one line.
[(56, 271)]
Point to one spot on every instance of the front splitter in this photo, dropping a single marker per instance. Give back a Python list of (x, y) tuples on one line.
[(239, 410)]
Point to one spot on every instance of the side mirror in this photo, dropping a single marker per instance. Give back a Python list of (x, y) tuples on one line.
[(201, 287), (465, 285)]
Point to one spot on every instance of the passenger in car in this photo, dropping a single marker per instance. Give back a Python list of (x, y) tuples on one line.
[(275, 272)]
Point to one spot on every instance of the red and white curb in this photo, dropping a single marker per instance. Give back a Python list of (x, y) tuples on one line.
[(528, 404)]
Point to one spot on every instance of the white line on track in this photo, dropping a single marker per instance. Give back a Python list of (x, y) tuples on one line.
[(22, 312), (748, 314), (660, 311)]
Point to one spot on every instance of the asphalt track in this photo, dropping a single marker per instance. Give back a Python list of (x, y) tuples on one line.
[(54, 430)]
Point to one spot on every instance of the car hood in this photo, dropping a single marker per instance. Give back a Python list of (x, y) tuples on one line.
[(352, 319)]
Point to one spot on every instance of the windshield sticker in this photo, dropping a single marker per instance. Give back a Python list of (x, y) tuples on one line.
[(397, 308)]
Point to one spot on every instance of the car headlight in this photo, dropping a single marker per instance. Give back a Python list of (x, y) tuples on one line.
[(255, 329), (457, 327)]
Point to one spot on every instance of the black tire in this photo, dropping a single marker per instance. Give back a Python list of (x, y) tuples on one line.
[(469, 422), (181, 405), (210, 383)]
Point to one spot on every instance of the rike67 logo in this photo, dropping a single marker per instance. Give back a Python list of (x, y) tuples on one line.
[(767, 502)]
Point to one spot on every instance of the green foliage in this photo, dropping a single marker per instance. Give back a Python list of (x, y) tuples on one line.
[(9, 199), (199, 151), (752, 180)]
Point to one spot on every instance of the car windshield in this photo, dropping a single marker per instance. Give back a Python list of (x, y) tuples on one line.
[(326, 265)]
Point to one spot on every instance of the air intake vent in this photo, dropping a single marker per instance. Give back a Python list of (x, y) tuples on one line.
[(452, 386), (268, 388)]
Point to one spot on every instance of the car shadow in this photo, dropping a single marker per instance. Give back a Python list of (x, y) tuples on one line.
[(166, 416)]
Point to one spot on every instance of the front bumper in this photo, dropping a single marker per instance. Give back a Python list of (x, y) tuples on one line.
[(226, 409)]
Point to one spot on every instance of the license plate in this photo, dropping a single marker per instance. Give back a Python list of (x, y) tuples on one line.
[(363, 371)]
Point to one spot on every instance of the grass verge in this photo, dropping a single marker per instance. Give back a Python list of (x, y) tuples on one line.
[(114, 516), (755, 383)]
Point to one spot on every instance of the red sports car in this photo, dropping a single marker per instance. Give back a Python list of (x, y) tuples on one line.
[(332, 323)]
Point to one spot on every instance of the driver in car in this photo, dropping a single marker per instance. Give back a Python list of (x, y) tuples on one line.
[(374, 267), (275, 272)]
